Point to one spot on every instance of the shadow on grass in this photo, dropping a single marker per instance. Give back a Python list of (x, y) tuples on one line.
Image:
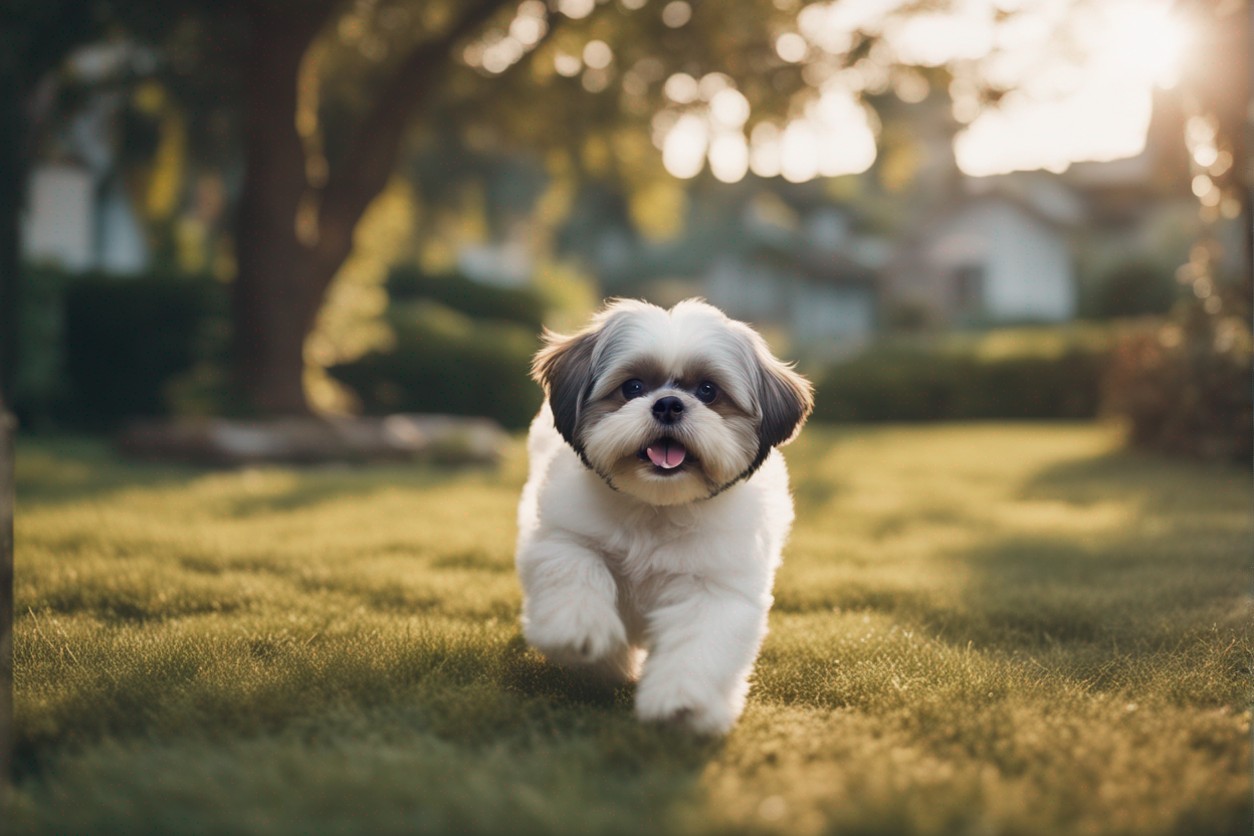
[(67, 470), (54, 471), (486, 697), (1157, 484)]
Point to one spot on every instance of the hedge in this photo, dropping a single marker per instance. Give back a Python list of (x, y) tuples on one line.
[(446, 362), (523, 306), (1010, 374), (107, 347), (101, 348)]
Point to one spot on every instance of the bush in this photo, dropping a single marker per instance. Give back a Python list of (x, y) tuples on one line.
[(40, 389), (1134, 288), (127, 338), (474, 299), (1019, 373), (1184, 387), (446, 362)]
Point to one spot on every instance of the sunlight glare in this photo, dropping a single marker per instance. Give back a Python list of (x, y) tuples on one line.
[(764, 149), (729, 156), (576, 9), (1094, 107), (729, 107), (1148, 42), (683, 153)]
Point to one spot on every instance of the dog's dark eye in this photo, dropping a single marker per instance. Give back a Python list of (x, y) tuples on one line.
[(633, 389), (707, 392)]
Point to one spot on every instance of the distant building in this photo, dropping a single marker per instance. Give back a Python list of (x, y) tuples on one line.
[(1000, 253), (823, 299), (80, 221), (79, 214), (808, 273), (59, 223)]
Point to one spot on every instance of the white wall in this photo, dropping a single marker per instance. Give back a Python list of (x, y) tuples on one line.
[(829, 313), (812, 310), (1028, 272), (68, 225), (58, 226)]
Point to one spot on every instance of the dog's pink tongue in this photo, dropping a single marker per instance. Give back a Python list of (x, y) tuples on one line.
[(667, 454)]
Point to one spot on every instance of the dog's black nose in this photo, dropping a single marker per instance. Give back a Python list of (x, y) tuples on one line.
[(668, 410)]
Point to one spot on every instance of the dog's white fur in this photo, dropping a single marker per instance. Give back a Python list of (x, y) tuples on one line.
[(636, 572)]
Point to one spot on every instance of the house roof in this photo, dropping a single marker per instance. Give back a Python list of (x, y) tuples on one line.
[(1044, 197), (827, 267)]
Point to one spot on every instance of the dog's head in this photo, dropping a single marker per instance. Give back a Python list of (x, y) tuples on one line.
[(670, 406)]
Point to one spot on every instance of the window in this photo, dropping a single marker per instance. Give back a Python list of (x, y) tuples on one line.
[(968, 290)]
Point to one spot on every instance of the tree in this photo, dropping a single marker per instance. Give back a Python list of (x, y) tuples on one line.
[(294, 231), (331, 90), (298, 209)]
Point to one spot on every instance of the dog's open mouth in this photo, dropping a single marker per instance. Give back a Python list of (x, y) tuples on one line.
[(666, 455)]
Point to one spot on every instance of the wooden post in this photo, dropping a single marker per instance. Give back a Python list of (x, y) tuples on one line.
[(7, 497)]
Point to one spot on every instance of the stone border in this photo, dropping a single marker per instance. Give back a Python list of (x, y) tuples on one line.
[(444, 439)]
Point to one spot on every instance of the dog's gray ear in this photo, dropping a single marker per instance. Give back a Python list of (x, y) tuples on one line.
[(563, 367), (786, 399)]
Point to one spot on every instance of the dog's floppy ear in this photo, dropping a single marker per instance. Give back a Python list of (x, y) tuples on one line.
[(563, 367), (786, 399)]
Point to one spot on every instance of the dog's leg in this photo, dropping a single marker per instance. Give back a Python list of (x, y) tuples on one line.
[(569, 605), (703, 639)]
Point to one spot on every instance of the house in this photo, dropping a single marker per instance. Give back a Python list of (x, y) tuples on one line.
[(804, 276), (999, 253), (79, 214), (79, 219), (823, 299), (783, 257)]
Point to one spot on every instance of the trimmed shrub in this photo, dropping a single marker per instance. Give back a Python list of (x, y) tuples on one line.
[(1018, 373), (40, 389), (1137, 287), (127, 338), (474, 299), (446, 362)]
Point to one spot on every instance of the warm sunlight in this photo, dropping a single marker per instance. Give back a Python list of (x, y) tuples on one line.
[(1080, 77), (833, 135), (1096, 107)]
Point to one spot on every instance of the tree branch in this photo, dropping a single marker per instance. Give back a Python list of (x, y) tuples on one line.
[(365, 169)]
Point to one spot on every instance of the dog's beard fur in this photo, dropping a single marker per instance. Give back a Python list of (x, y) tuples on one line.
[(719, 448), (761, 401)]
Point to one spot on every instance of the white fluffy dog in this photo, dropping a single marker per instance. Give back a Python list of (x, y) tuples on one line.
[(657, 506)]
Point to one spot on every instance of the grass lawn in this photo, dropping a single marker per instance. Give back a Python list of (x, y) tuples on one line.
[(983, 629)]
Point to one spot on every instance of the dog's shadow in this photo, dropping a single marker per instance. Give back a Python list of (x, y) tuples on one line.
[(582, 704), (527, 674)]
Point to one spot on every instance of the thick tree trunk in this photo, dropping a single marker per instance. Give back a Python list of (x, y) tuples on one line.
[(283, 272), (275, 299)]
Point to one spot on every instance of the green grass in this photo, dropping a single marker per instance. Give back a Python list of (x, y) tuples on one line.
[(978, 629)]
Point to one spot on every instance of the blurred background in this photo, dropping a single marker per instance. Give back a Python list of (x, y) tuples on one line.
[(943, 209)]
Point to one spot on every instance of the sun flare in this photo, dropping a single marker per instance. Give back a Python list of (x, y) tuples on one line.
[(1081, 76), (1099, 105)]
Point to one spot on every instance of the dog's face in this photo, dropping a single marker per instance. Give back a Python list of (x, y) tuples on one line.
[(670, 406)]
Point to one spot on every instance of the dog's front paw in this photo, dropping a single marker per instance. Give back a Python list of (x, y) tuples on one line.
[(701, 710), (583, 633)]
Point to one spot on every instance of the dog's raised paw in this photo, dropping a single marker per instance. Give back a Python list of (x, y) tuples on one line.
[(577, 636)]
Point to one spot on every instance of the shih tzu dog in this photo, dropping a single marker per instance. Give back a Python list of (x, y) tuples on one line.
[(657, 506)]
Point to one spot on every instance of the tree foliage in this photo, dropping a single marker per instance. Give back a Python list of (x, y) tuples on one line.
[(319, 99)]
